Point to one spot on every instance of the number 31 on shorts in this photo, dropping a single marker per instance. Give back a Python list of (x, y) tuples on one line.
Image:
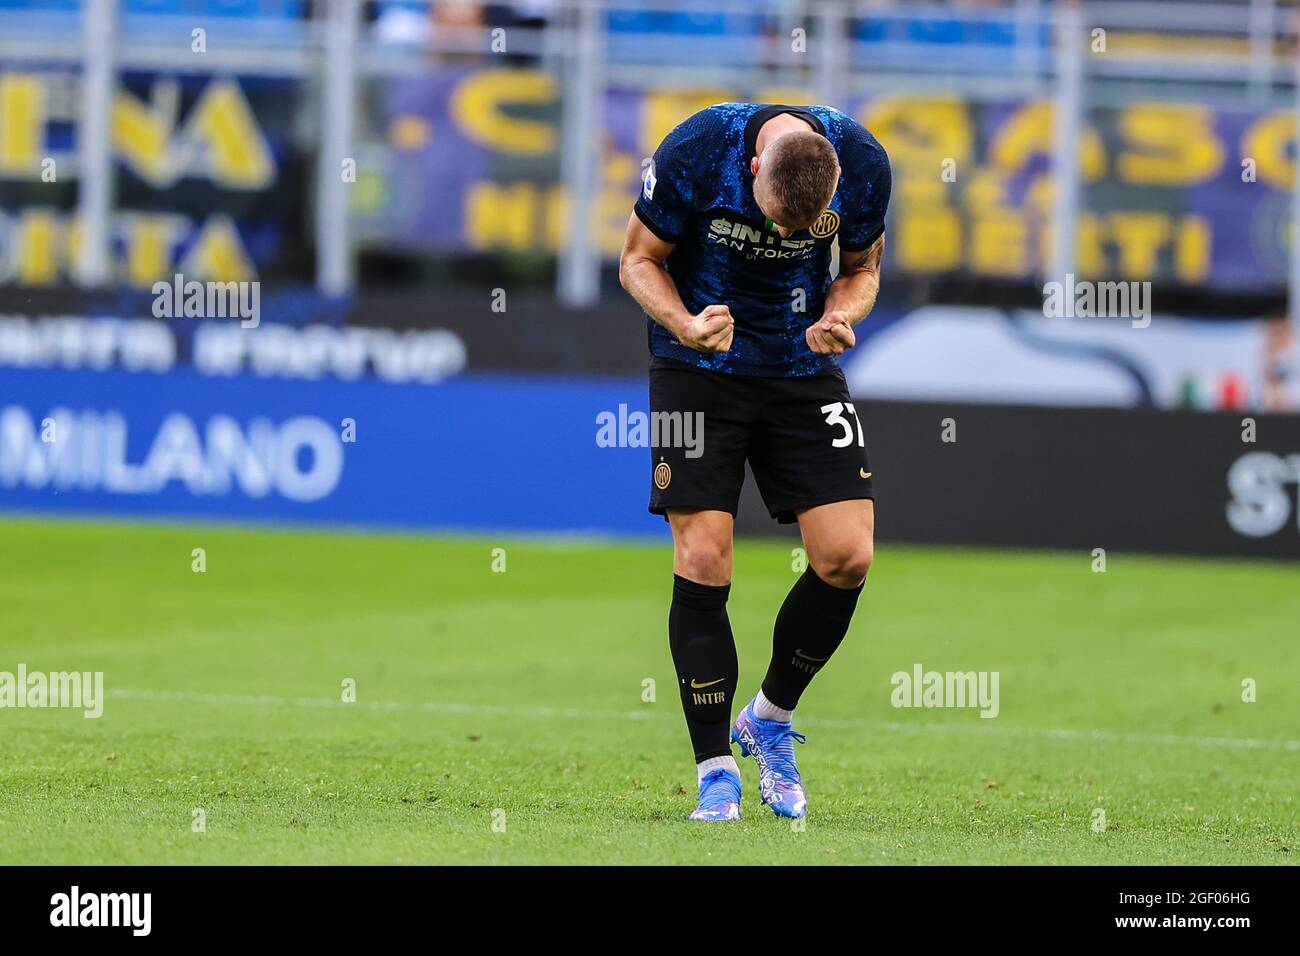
[(834, 413)]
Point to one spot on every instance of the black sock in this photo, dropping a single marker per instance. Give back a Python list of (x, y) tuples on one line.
[(810, 626), (704, 655)]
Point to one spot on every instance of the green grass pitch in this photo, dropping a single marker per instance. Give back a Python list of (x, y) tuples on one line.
[(515, 699)]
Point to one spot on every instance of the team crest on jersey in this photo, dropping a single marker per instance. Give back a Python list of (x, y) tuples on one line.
[(663, 475), (648, 182), (826, 224)]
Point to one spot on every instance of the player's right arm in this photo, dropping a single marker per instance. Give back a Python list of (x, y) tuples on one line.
[(660, 218), (641, 272)]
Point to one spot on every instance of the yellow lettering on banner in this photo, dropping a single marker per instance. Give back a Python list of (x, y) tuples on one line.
[(38, 232), (612, 211), (140, 136), (73, 242), (477, 105), (1192, 249), (606, 218), (620, 169), (22, 122), (1266, 141), (1139, 236), (149, 240), (238, 153), (661, 110), (987, 189), (1046, 238), (1173, 145), (1089, 258), (555, 217), (1039, 196), (409, 132), (913, 190), (1028, 133), (929, 231), (502, 216), (218, 254), (927, 239), (999, 243), (921, 132)]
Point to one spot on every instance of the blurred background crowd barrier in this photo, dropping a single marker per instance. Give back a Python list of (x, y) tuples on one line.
[(430, 198)]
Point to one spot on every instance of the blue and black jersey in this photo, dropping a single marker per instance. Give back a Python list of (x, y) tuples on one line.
[(698, 194)]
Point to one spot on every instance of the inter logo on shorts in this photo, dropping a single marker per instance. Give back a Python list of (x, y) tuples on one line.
[(826, 224), (663, 475)]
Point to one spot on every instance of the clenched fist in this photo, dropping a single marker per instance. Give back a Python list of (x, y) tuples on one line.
[(710, 331), (831, 334)]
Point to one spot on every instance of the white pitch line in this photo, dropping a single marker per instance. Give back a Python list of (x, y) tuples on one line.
[(501, 710), (547, 713)]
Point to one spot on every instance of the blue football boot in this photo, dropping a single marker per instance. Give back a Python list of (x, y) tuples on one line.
[(719, 797), (771, 744)]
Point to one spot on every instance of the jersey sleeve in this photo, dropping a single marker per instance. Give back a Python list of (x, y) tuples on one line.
[(864, 214), (668, 185)]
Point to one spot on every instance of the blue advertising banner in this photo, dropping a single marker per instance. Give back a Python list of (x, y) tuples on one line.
[(529, 454), (475, 453)]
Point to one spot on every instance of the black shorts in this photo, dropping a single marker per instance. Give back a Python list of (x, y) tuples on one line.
[(801, 436)]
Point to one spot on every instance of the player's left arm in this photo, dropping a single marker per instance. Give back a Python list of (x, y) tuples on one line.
[(849, 300)]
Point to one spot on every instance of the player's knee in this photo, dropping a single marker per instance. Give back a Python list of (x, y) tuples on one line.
[(704, 561), (846, 565)]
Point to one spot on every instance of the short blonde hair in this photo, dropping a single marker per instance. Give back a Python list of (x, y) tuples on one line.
[(803, 172)]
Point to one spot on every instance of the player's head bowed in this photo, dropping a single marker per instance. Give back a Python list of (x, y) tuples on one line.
[(795, 178)]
